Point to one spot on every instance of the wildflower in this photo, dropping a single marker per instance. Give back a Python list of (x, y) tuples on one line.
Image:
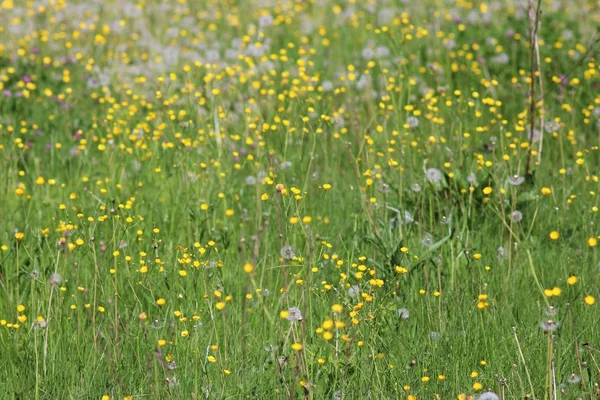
[(482, 301), (297, 346), (477, 386), (572, 280), (248, 268), (338, 395), (487, 190), (546, 191), (554, 235), (592, 242), (287, 253), (400, 270), (573, 379), (294, 314), (161, 301), (589, 300), (211, 359), (337, 308)]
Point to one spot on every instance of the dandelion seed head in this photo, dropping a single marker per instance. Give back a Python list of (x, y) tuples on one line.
[(403, 313), (353, 291), (488, 396), (287, 252), (516, 216), (294, 314), (434, 175), (515, 180), (573, 379), (549, 325)]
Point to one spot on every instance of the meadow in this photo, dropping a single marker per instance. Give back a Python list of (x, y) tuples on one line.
[(318, 199)]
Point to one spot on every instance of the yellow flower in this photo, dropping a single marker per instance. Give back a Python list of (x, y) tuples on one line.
[(220, 305), (554, 235), (326, 186), (161, 302), (572, 280), (546, 191), (487, 190), (400, 270), (248, 268), (19, 236), (592, 242), (211, 359), (589, 300), (297, 346), (162, 342), (337, 308), (477, 386), (185, 333)]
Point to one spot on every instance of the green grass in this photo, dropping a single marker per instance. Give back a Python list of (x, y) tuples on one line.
[(157, 158)]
